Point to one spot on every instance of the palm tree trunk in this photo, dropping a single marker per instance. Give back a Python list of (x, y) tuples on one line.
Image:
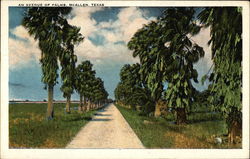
[(84, 104), (80, 105), (68, 104), (234, 129), (50, 109), (181, 116), (89, 105), (157, 112)]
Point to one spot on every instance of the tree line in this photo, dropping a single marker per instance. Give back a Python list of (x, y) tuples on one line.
[(56, 40), (166, 70)]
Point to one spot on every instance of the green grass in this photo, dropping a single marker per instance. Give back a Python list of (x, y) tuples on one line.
[(162, 133), (197, 116), (28, 127)]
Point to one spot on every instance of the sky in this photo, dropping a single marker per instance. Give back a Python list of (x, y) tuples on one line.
[(107, 31)]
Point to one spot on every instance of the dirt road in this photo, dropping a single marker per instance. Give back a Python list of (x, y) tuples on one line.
[(108, 129)]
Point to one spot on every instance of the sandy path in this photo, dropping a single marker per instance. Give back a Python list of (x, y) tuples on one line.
[(108, 129)]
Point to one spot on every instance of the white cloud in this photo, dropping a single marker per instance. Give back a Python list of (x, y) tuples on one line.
[(23, 49), (114, 52), (82, 18), (129, 20), (202, 39), (204, 64), (21, 32)]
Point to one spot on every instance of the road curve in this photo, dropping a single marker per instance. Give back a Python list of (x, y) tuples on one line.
[(107, 129)]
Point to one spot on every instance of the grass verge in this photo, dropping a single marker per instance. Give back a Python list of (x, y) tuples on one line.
[(28, 127), (160, 133)]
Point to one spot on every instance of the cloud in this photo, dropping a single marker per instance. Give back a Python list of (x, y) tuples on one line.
[(204, 64), (116, 34), (129, 20), (22, 49), (202, 39), (82, 18), (99, 54)]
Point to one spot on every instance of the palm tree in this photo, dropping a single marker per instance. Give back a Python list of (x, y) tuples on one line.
[(99, 92), (46, 25), (180, 27), (150, 49), (84, 77), (132, 91), (120, 94), (68, 60), (167, 54), (226, 40)]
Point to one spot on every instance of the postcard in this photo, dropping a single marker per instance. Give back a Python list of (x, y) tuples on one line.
[(130, 79)]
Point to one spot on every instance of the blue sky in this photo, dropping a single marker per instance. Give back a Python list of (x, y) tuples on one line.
[(106, 31)]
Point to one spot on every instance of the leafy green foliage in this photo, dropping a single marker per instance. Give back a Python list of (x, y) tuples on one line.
[(226, 31), (85, 76), (47, 25), (56, 40), (167, 54), (179, 22), (88, 85), (71, 37), (98, 90), (151, 51), (132, 90)]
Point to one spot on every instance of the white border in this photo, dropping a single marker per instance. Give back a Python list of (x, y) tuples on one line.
[(123, 153)]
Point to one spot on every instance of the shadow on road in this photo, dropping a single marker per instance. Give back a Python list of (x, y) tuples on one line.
[(98, 114), (102, 110), (101, 119)]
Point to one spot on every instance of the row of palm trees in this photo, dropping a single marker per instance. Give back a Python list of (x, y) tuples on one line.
[(56, 40), (167, 54), (132, 89), (89, 87)]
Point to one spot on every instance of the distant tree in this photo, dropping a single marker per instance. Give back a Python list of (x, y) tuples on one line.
[(132, 91), (99, 92), (226, 40), (84, 76)]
